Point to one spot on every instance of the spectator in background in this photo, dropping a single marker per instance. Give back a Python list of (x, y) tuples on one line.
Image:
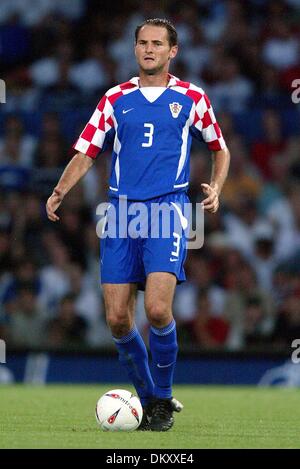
[(26, 318), (219, 250), (55, 279), (274, 190), (89, 306), (120, 51), (50, 158), (92, 255), (271, 144), (264, 261), (70, 232), (16, 147), (6, 266), (279, 212), (12, 201), (293, 156), (50, 154), (216, 20), (53, 75), (7, 10), (207, 330), (226, 120), (287, 326), (243, 180), (257, 333), (283, 281), (29, 223), (72, 10), (232, 262), (241, 222), (7, 309), (31, 12), (51, 127), (67, 329), (15, 41), (45, 72), (5, 255), (92, 68), (197, 54), (63, 94), (87, 302), (232, 91), (24, 273), (281, 49), (269, 86), (200, 279), (288, 223), (248, 308)]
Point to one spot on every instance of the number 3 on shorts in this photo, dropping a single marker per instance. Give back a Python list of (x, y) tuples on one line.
[(148, 135)]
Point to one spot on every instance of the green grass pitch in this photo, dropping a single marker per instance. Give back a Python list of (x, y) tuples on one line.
[(213, 417)]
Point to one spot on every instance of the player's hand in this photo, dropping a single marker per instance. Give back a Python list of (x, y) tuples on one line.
[(211, 203), (53, 203)]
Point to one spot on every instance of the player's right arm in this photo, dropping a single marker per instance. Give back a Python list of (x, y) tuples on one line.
[(92, 141), (74, 171)]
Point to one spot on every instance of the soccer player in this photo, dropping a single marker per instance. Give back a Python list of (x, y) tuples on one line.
[(150, 120)]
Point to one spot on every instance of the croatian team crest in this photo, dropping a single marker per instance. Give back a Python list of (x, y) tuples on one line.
[(175, 109)]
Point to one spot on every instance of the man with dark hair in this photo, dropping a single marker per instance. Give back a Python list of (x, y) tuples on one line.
[(162, 23), (151, 120)]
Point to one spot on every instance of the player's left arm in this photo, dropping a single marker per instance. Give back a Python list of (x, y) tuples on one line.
[(206, 127), (220, 166)]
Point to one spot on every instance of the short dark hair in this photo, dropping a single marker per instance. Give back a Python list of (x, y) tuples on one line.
[(162, 23)]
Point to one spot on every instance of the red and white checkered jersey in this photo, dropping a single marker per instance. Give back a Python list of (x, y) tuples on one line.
[(151, 138), (93, 138)]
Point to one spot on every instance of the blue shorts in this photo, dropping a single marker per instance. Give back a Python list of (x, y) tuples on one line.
[(145, 237)]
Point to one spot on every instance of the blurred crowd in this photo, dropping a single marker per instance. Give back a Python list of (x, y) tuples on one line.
[(57, 58)]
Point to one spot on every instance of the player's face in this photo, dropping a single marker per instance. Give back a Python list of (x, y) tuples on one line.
[(152, 49)]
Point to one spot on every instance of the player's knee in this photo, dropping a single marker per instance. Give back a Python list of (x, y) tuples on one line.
[(119, 323), (158, 313)]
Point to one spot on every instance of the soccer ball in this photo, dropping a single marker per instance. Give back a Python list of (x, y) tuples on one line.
[(119, 410)]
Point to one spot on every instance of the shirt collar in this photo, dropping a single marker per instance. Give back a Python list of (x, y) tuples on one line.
[(172, 81)]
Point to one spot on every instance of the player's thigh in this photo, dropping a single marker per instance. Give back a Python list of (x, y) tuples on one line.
[(165, 249), (119, 302), (159, 294), (121, 262)]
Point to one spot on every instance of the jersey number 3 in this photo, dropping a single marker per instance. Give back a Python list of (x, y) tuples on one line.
[(148, 135)]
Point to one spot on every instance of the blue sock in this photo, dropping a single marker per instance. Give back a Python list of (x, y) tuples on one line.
[(133, 356), (163, 347)]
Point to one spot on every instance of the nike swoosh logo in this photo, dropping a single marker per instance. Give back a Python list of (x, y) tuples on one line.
[(173, 260), (127, 110), (164, 366)]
